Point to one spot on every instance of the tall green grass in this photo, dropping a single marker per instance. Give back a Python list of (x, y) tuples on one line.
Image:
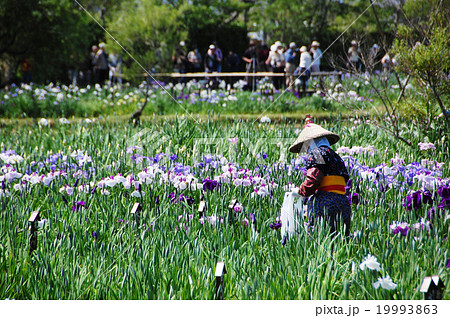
[(129, 261)]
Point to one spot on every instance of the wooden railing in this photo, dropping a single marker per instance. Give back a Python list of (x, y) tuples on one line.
[(238, 74), (320, 75), (229, 74)]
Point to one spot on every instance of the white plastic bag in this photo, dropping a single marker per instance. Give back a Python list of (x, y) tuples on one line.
[(291, 214)]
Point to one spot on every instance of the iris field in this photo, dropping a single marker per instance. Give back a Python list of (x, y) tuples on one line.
[(84, 175), (53, 100)]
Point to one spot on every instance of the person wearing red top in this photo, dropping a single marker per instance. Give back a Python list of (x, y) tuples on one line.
[(326, 177)]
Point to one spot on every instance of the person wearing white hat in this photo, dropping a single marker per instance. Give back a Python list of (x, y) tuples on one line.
[(354, 57), (277, 62), (326, 178), (100, 64), (291, 59), (211, 61), (195, 59), (180, 60), (304, 67), (316, 55)]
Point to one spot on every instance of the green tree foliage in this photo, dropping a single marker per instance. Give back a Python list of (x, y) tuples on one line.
[(303, 21), (52, 34), (101, 9), (151, 30), (55, 35), (223, 21), (423, 50), (148, 31)]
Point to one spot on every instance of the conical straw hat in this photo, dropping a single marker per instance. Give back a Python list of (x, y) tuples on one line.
[(312, 131)]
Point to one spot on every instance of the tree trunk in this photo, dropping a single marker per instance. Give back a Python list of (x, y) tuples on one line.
[(441, 105)]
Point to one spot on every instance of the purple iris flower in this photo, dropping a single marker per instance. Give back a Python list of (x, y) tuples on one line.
[(403, 229), (445, 203), (188, 200), (209, 184), (427, 197), (181, 198), (275, 226), (413, 201), (381, 187), (133, 148), (444, 191), (174, 157), (416, 199), (93, 190), (264, 156), (157, 199), (201, 165), (208, 158), (348, 185), (238, 207), (179, 168), (354, 198), (94, 234), (448, 263), (432, 213), (78, 205), (159, 156)]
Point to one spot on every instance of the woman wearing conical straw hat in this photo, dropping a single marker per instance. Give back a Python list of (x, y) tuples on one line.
[(326, 177)]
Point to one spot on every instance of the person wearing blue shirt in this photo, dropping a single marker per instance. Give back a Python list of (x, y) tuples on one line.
[(291, 58)]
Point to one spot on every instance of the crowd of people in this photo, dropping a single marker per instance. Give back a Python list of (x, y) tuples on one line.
[(100, 67), (258, 57), (211, 62), (292, 61), (295, 62)]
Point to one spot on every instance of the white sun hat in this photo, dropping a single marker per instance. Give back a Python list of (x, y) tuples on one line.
[(312, 131)]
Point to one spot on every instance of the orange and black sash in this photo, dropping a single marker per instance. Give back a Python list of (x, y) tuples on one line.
[(334, 184)]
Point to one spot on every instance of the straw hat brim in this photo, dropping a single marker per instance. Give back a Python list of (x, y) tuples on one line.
[(310, 132)]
